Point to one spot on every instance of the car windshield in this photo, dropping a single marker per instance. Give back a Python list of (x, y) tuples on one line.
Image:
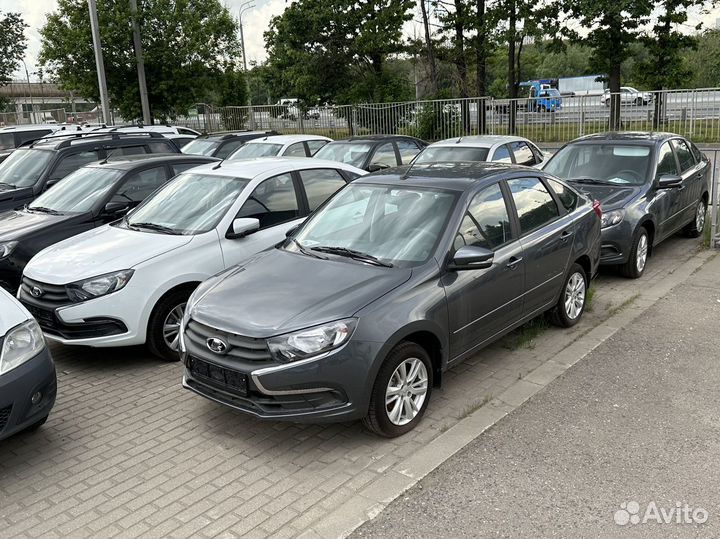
[(78, 192), (189, 204), (258, 149), (23, 168), (7, 141), (613, 164), (380, 223), (201, 146), (552, 92), (350, 153), (454, 154)]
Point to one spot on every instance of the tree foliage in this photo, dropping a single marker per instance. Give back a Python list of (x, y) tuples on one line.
[(12, 46), (187, 45)]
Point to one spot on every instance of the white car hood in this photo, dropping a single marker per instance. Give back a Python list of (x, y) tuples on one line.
[(99, 251), (11, 313)]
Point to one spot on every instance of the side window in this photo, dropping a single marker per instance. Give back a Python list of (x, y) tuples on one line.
[(666, 160), (385, 155), (272, 202), (185, 131), (139, 185), (315, 145), (568, 197), (696, 152), (228, 148), (486, 222), (502, 155), (684, 155), (177, 168), (295, 150), (535, 205), (523, 154), (72, 162), (126, 150), (320, 184), (160, 147), (408, 150)]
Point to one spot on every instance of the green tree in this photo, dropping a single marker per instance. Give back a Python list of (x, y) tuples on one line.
[(187, 44), (12, 46), (337, 51), (704, 60)]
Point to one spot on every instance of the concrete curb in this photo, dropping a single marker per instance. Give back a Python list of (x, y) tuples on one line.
[(373, 498)]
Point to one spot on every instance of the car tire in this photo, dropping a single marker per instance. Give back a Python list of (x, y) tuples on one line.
[(573, 297), (639, 252), (164, 315), (406, 355), (695, 228)]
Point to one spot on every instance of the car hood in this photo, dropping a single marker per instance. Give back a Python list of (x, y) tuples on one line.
[(277, 291), (18, 224), (611, 197), (99, 251)]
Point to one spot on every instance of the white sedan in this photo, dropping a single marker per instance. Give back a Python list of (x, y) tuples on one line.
[(498, 148), (280, 145), (127, 283)]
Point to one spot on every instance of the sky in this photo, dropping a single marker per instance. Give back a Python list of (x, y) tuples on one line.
[(256, 21)]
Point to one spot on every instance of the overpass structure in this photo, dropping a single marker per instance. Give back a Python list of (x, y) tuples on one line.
[(37, 102)]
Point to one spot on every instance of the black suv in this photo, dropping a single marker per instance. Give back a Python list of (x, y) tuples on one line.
[(373, 152), (221, 145), (89, 197), (15, 136), (34, 167)]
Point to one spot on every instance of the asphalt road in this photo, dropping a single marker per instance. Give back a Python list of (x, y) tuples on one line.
[(635, 421)]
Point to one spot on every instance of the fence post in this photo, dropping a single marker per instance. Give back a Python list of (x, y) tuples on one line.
[(351, 120)]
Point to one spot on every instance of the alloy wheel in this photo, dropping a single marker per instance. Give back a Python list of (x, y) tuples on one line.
[(700, 216), (574, 296), (171, 326), (406, 391), (641, 253)]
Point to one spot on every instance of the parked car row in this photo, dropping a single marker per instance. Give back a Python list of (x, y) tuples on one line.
[(302, 288)]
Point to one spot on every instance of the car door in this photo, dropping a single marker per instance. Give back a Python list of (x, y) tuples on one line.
[(546, 236), (319, 184), (693, 175), (483, 302), (666, 202), (275, 202)]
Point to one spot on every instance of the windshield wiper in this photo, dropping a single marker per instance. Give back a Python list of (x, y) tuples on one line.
[(304, 251), (590, 181), (43, 209), (10, 185), (154, 226), (351, 253)]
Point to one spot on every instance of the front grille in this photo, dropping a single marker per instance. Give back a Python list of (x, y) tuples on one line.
[(246, 349), (51, 295), (215, 374), (4, 416)]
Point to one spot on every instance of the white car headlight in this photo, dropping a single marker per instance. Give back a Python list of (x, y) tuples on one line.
[(21, 343), (98, 286), (6, 248), (312, 341), (611, 218)]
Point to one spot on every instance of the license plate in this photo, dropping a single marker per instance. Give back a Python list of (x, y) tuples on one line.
[(220, 376)]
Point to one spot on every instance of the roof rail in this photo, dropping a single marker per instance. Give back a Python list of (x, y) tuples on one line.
[(66, 140)]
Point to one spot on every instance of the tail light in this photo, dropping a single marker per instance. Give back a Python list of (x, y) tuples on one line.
[(597, 209)]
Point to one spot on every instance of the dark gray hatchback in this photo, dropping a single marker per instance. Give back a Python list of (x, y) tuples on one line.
[(396, 278)]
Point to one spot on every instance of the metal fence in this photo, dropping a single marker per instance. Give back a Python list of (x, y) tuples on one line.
[(34, 117)]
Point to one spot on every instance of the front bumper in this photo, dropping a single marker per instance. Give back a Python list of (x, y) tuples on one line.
[(616, 243), (331, 387), (17, 412)]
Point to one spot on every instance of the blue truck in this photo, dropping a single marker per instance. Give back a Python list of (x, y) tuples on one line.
[(543, 95)]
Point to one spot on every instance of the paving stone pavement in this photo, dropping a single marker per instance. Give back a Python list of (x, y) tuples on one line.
[(128, 453)]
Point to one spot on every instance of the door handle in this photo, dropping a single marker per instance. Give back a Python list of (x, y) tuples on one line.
[(681, 187), (513, 263), (565, 235)]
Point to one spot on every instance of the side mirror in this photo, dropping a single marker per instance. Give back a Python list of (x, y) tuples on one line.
[(471, 257), (374, 167), (116, 208), (291, 231), (242, 227), (669, 181)]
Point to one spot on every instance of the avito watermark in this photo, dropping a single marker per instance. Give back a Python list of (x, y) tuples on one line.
[(681, 513)]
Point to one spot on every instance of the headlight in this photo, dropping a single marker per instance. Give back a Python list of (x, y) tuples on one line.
[(21, 343), (312, 341), (98, 286), (611, 218), (6, 248)]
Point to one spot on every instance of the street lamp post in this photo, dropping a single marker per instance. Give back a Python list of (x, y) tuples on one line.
[(244, 7), (100, 66), (32, 103)]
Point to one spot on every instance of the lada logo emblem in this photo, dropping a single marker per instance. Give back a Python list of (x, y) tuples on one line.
[(216, 345), (36, 291)]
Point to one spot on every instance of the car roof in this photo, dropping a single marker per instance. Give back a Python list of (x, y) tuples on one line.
[(287, 139), (74, 139), (34, 127), (644, 137), (483, 141), (252, 168), (454, 176), (378, 138), (221, 135), (127, 162)]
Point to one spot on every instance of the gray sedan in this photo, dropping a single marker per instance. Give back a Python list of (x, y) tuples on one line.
[(361, 310)]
